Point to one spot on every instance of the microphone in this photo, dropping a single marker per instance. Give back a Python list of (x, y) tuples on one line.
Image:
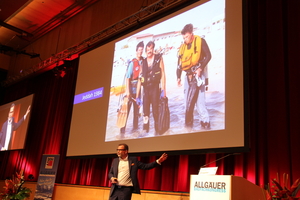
[(231, 154)]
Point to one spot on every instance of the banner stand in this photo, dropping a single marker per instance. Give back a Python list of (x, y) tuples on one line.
[(46, 179)]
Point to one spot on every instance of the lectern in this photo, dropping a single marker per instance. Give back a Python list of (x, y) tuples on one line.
[(224, 187)]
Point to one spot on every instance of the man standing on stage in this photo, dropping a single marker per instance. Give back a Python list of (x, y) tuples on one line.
[(194, 55), (153, 80), (123, 173)]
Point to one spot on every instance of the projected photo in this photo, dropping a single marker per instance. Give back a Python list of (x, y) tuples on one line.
[(14, 120), (170, 78)]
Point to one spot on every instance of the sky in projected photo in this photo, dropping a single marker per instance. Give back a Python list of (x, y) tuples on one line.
[(208, 20)]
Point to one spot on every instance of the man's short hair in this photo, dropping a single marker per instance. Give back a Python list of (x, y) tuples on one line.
[(187, 29), (125, 146), (140, 44), (149, 44), (13, 105)]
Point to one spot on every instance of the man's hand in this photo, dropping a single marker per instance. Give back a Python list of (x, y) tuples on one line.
[(198, 71), (138, 101), (162, 158), (162, 94), (28, 110), (179, 82), (114, 180)]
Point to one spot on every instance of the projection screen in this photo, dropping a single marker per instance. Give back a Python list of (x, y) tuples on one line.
[(217, 120)]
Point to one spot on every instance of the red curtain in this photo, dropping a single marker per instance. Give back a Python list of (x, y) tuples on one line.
[(272, 50)]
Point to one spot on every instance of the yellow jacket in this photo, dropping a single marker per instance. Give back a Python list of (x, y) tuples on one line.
[(189, 57)]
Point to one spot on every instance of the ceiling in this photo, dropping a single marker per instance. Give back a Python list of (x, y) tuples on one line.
[(24, 21)]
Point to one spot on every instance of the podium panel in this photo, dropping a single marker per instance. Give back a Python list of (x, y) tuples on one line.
[(223, 187)]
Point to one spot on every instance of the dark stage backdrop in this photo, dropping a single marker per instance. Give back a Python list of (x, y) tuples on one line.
[(274, 96)]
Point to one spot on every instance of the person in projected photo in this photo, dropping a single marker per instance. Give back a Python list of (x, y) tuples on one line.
[(9, 127), (132, 76), (123, 173), (153, 80), (193, 57)]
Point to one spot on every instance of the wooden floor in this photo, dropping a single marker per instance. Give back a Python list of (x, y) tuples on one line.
[(66, 191)]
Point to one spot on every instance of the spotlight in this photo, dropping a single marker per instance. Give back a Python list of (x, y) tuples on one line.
[(30, 177), (59, 72), (63, 73), (55, 71)]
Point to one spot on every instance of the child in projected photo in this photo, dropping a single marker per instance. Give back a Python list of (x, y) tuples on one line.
[(9, 127), (133, 97)]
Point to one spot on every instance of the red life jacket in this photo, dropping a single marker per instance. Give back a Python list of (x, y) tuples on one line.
[(136, 69)]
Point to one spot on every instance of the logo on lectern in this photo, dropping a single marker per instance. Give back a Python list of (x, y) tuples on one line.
[(210, 186)]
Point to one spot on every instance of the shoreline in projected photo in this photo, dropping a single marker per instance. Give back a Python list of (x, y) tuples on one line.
[(209, 23)]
